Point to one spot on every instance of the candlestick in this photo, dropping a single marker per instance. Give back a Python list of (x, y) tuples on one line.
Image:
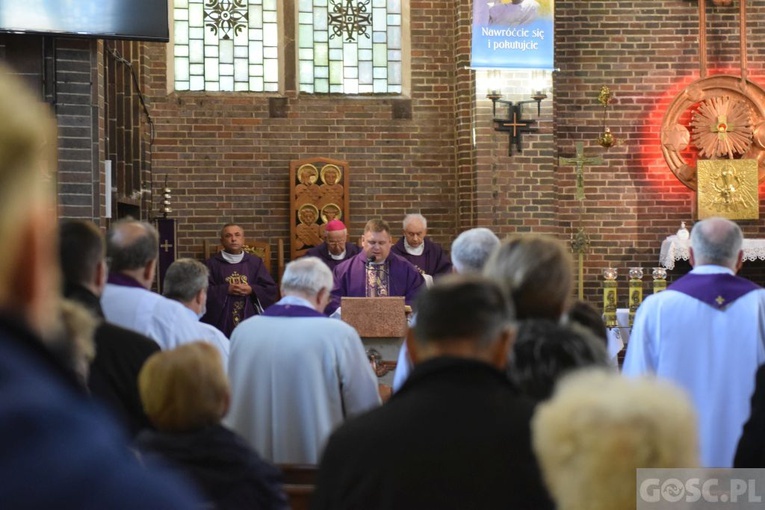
[(659, 279), (636, 291), (609, 297)]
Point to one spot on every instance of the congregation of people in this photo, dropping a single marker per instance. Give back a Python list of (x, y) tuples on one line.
[(113, 395)]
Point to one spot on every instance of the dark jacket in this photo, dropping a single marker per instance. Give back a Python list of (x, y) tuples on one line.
[(751, 447), (456, 436), (60, 449), (120, 354), (222, 465)]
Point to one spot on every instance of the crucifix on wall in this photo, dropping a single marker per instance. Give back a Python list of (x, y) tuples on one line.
[(580, 241), (514, 125), (580, 161)]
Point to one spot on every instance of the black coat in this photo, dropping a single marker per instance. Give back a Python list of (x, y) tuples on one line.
[(120, 354), (456, 436), (222, 465), (751, 447)]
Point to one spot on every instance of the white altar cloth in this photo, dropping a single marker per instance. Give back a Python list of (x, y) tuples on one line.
[(673, 249)]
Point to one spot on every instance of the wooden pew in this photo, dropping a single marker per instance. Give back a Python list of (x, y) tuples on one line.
[(299, 483)]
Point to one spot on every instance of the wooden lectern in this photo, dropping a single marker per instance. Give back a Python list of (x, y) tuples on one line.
[(377, 317), (381, 324)]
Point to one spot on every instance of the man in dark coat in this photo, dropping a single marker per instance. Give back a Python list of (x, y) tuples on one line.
[(457, 434), (120, 352)]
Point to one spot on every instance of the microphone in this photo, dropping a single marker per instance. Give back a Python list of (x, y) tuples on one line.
[(371, 259)]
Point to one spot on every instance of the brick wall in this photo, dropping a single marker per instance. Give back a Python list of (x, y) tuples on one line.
[(646, 52), (228, 160)]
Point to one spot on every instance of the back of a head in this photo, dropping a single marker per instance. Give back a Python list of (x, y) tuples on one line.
[(377, 225), (716, 241), (131, 244), (28, 146), (472, 248), (586, 315), (536, 271), (306, 275), (544, 351), (458, 307), (599, 427), (184, 279), (184, 389), (81, 249)]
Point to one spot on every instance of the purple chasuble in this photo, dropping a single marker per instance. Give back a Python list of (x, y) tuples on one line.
[(322, 251), (225, 311), (717, 290), (124, 280), (351, 279), (278, 310), (433, 261)]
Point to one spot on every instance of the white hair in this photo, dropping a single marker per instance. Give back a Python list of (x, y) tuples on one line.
[(414, 216), (472, 249), (600, 426), (306, 275)]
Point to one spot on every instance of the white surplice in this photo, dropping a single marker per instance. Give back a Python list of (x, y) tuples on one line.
[(293, 381), (712, 354)]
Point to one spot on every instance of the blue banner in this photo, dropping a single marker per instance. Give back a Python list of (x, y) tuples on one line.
[(513, 34)]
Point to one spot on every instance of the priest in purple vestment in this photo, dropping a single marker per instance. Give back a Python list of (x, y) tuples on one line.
[(375, 271), (335, 248), (240, 285), (428, 257)]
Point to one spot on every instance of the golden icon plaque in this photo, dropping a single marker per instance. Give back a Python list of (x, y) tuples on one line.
[(728, 188)]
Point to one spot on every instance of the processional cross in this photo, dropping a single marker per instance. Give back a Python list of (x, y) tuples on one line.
[(580, 241)]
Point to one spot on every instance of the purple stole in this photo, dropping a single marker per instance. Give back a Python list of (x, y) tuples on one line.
[(717, 290), (278, 310), (123, 281)]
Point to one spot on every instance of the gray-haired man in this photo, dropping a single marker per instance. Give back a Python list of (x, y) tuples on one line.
[(186, 281)]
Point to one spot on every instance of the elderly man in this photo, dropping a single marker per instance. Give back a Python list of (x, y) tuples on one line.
[(470, 251), (296, 374), (706, 333), (59, 448), (240, 285), (186, 281), (120, 352), (375, 271), (457, 435), (335, 248), (133, 248), (428, 257)]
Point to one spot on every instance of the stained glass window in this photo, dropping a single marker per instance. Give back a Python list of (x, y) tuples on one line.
[(229, 45), (349, 46)]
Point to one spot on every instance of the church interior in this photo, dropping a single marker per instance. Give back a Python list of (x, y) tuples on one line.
[(128, 135)]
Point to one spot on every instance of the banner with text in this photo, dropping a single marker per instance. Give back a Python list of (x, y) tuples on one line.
[(513, 34)]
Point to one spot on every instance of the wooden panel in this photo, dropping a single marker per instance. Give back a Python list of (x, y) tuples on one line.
[(319, 193)]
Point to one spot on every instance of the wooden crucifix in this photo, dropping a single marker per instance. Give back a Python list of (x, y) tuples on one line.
[(580, 161)]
